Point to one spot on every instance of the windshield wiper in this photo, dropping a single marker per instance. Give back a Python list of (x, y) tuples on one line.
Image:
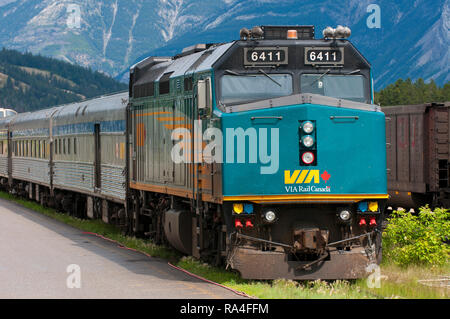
[(238, 74), (271, 78), (320, 77), (233, 73), (353, 72), (251, 75)]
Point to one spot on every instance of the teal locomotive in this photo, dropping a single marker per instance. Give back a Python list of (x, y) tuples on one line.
[(265, 153)]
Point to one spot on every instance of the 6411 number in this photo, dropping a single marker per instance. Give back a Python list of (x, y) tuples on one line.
[(266, 56), (324, 56)]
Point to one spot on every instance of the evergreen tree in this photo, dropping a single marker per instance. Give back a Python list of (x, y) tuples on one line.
[(406, 92), (60, 83)]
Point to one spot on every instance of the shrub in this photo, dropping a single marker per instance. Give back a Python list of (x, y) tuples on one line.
[(420, 239)]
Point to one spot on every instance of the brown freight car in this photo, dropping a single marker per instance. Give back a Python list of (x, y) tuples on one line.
[(418, 154)]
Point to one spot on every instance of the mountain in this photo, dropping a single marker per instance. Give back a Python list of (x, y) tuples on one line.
[(29, 82), (111, 35)]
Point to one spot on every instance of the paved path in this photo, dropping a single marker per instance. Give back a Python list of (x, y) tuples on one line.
[(35, 252)]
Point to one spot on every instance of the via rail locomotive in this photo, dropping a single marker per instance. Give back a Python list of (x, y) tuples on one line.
[(265, 154)]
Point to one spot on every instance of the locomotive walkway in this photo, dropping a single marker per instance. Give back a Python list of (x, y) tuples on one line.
[(36, 251)]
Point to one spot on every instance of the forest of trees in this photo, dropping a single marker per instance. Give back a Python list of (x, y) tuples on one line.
[(61, 82), (407, 92)]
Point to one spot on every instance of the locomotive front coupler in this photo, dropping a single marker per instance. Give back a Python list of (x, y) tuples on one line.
[(325, 254)]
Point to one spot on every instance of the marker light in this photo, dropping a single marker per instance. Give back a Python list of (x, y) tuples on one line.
[(308, 141), (292, 35), (362, 222), (308, 158), (373, 207), (238, 208), (308, 127), (373, 222), (248, 208), (249, 224), (238, 224), (270, 216), (345, 215), (362, 207)]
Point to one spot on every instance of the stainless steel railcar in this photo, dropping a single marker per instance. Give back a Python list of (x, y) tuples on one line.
[(71, 157)]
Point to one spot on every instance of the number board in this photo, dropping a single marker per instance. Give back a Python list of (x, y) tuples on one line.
[(321, 55), (266, 56)]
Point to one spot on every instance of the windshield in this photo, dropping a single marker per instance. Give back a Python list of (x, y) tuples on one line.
[(348, 87), (245, 88)]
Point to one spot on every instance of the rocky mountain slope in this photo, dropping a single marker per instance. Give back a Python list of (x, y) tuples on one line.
[(111, 35)]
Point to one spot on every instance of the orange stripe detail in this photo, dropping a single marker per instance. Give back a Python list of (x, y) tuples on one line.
[(282, 198), (140, 134), (151, 114)]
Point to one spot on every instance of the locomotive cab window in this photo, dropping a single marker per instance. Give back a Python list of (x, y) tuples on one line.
[(347, 87), (241, 88)]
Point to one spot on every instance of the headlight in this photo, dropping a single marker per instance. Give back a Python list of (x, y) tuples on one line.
[(238, 208), (308, 141), (345, 215), (308, 158), (270, 216), (308, 127)]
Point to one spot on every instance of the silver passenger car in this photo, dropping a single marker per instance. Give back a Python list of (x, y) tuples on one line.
[(30, 147), (89, 147), (71, 157)]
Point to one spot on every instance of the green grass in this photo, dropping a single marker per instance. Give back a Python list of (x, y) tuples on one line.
[(276, 289), (404, 282), (396, 282)]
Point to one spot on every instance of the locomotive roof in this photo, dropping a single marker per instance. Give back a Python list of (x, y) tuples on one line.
[(152, 69), (196, 62)]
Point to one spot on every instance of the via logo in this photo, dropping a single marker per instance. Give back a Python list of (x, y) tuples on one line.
[(74, 18), (305, 177), (374, 19), (74, 279)]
